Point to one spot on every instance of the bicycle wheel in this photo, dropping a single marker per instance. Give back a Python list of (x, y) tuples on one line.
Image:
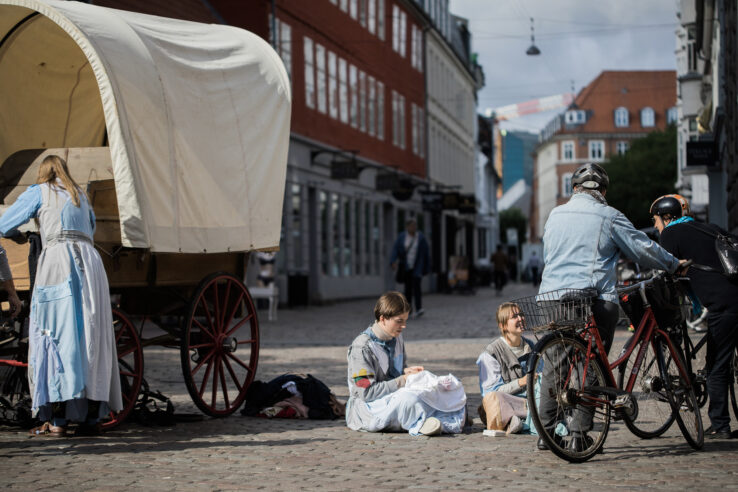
[(680, 393), (568, 412), (653, 411), (734, 383)]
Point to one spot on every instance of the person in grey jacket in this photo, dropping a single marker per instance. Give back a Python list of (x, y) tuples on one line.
[(502, 373), (582, 242), (377, 372)]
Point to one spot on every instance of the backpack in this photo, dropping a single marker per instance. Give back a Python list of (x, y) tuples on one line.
[(726, 248)]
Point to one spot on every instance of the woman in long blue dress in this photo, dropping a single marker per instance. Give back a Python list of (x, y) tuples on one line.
[(72, 360)]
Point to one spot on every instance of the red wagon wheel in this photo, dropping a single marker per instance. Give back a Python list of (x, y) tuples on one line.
[(130, 365), (220, 344)]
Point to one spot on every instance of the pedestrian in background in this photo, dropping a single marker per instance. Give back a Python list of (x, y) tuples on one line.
[(499, 262), (72, 360), (411, 261), (686, 238), (534, 267)]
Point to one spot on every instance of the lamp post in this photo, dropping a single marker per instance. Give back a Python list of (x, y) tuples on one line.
[(533, 50)]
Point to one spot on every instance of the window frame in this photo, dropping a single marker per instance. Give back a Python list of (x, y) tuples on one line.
[(591, 148), (621, 117), (564, 145)]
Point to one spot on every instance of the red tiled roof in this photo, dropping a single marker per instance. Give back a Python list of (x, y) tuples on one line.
[(634, 90), (192, 10)]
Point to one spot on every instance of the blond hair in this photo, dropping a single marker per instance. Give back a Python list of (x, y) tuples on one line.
[(504, 313), (54, 167), (391, 304)]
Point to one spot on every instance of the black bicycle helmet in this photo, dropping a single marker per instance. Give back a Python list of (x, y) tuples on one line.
[(667, 205), (590, 176)]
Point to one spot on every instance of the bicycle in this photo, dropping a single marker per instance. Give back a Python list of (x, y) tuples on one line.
[(579, 395)]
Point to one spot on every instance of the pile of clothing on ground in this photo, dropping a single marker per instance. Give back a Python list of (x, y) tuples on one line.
[(295, 396)]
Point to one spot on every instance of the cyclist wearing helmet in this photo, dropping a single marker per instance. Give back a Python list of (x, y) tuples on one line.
[(684, 237), (582, 242)]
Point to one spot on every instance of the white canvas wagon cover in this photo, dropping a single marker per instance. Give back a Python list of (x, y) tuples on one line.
[(196, 117)]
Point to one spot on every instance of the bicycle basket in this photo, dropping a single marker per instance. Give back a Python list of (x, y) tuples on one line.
[(557, 310)]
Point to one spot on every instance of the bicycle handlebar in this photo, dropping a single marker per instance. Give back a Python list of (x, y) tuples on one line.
[(643, 283)]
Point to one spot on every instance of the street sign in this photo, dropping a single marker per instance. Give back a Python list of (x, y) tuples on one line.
[(467, 204), (404, 190), (701, 153), (386, 181), (432, 201), (344, 169), (451, 200)]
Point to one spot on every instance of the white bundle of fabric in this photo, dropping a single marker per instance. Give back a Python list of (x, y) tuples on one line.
[(444, 393)]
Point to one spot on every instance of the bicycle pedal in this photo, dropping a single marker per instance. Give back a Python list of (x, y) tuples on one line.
[(622, 401)]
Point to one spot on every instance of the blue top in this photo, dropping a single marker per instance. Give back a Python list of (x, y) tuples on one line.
[(582, 242), (422, 258), (24, 209)]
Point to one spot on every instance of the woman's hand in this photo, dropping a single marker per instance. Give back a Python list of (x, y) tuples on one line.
[(523, 381), (412, 370)]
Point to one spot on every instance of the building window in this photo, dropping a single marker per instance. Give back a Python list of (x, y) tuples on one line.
[(335, 217), (332, 86), (621, 117), (296, 227), (416, 48), (575, 117), (597, 150), (380, 19), (621, 147), (567, 151), (344, 5), (362, 101), (566, 185), (284, 43), (380, 110), (324, 230), (648, 117), (354, 88), (371, 13), (417, 130), (348, 246), (399, 30), (398, 120), (371, 106), (672, 116), (343, 90), (354, 9), (320, 72), (362, 12), (309, 74)]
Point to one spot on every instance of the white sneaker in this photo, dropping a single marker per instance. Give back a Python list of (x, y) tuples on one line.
[(515, 425), (493, 433), (431, 427)]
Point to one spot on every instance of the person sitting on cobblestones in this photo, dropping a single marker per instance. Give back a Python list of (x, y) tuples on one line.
[(378, 372), (502, 376)]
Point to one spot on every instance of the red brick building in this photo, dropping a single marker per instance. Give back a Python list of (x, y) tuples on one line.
[(614, 109)]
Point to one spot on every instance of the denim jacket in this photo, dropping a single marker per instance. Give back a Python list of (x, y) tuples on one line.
[(582, 242)]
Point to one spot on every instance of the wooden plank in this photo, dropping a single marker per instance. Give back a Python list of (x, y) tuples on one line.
[(190, 269)]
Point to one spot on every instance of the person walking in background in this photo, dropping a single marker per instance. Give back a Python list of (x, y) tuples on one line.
[(411, 261), (686, 238), (499, 261), (72, 359), (534, 267)]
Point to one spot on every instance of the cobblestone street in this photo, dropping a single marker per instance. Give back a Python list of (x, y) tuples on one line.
[(238, 453)]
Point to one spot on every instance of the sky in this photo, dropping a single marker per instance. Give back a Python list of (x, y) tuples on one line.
[(578, 39)]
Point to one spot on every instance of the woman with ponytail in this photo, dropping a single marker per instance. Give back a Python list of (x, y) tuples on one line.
[(72, 361)]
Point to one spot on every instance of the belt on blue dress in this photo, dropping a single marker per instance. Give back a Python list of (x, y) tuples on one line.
[(68, 236)]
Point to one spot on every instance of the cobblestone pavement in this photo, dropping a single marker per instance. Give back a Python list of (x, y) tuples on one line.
[(238, 453)]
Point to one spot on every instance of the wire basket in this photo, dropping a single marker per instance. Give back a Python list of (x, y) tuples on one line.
[(557, 310)]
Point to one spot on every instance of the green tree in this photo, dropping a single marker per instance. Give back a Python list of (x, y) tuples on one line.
[(644, 173), (513, 217)]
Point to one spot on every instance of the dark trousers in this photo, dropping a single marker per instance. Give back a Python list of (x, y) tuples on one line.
[(534, 275), (722, 336), (606, 316), (500, 278), (413, 292)]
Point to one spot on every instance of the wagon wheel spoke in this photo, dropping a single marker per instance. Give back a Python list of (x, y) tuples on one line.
[(225, 306), (223, 384), (216, 306), (206, 377), (126, 373), (232, 314), (128, 351), (233, 374), (207, 314), (201, 345), (203, 329), (239, 361), (215, 381), (242, 342), (203, 361), (239, 324)]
